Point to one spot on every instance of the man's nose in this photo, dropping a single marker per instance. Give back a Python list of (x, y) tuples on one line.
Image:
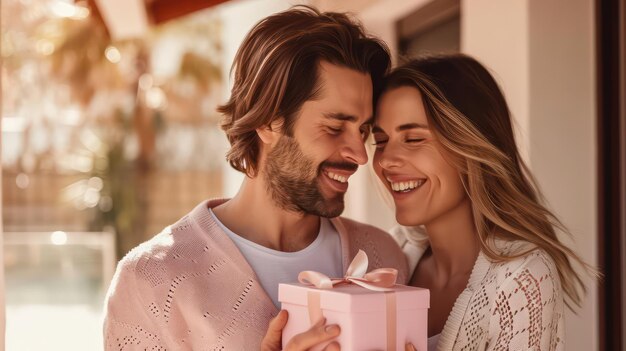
[(354, 150)]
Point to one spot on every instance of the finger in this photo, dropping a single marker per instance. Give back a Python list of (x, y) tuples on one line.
[(333, 346), (409, 347), (319, 323), (318, 334), (278, 323), (273, 337), (292, 344)]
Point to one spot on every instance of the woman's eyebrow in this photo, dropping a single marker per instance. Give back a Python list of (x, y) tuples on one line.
[(410, 126), (402, 127)]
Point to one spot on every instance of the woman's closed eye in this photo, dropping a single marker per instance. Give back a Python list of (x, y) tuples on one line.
[(379, 143), (414, 140)]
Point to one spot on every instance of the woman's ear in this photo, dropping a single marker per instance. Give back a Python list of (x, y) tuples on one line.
[(270, 134)]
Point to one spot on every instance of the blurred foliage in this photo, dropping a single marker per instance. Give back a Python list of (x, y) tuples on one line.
[(106, 101)]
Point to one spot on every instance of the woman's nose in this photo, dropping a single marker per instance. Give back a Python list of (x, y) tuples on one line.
[(389, 159)]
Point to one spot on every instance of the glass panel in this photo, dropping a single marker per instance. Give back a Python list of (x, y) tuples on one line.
[(55, 285)]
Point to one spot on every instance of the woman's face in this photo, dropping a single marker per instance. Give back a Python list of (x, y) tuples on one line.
[(411, 163)]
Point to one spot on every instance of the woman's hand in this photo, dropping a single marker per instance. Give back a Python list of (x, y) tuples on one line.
[(318, 334)]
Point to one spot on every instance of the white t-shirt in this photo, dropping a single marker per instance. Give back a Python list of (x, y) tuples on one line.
[(273, 267)]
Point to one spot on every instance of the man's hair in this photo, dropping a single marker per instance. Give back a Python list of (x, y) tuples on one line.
[(276, 71)]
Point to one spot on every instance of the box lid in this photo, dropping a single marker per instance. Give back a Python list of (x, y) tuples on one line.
[(353, 298)]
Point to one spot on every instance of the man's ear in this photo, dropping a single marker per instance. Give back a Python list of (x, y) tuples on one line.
[(270, 134)]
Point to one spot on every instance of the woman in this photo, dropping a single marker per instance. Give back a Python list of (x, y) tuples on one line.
[(473, 226), (475, 231)]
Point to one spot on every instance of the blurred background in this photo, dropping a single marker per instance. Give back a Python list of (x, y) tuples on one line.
[(109, 133)]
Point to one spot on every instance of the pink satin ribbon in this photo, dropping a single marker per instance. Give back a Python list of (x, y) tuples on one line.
[(382, 279)]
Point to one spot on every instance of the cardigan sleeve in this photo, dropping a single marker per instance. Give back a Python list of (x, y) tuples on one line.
[(527, 311), (127, 323)]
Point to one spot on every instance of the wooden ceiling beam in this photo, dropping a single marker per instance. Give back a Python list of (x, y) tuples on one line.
[(160, 11)]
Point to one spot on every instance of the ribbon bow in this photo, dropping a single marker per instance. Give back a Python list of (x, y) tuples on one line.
[(382, 279)]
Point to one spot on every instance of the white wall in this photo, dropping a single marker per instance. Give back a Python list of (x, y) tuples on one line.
[(543, 54), (496, 33), (562, 133)]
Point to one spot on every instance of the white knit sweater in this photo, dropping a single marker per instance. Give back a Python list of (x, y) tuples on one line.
[(514, 305)]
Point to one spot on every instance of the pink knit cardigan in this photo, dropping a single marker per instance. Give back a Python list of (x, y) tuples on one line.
[(189, 287)]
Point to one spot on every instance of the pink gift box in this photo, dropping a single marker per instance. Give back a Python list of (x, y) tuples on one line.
[(364, 315)]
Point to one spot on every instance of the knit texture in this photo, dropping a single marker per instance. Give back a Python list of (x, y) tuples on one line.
[(189, 287), (513, 305)]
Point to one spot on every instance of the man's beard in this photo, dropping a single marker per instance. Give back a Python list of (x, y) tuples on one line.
[(292, 180)]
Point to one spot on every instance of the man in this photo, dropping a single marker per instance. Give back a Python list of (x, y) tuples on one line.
[(296, 122)]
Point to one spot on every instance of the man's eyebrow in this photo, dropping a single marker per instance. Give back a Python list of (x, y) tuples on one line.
[(340, 116)]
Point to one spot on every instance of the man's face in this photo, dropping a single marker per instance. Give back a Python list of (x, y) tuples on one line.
[(308, 172)]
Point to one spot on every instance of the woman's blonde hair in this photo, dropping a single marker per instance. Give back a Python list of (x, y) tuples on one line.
[(468, 115)]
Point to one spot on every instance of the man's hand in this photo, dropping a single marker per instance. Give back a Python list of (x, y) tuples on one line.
[(318, 334)]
